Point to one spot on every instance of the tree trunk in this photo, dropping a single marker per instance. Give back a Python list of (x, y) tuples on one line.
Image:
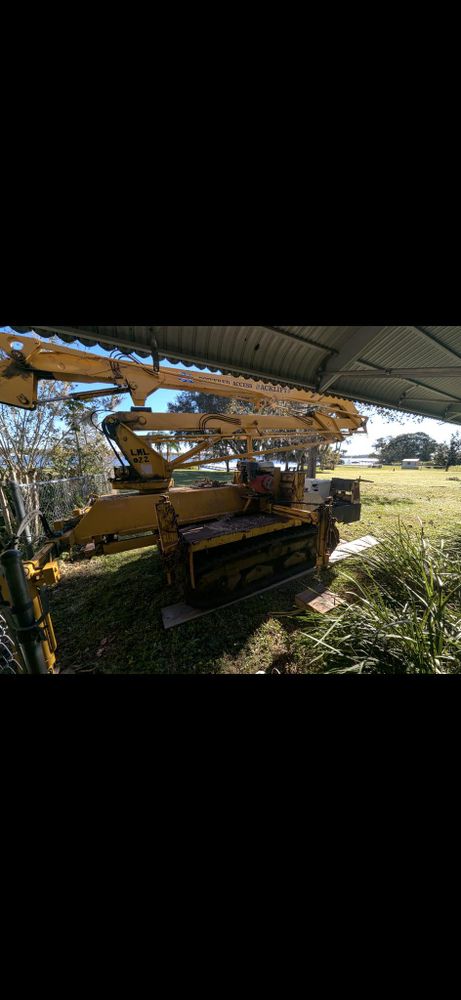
[(34, 500), (80, 470), (5, 511), (312, 462)]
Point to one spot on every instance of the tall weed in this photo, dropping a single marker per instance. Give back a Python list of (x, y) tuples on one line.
[(403, 613)]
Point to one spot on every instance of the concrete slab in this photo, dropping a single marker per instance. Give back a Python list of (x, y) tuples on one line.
[(319, 600), (346, 549)]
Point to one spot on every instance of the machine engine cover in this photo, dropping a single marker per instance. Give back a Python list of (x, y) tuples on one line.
[(262, 484), (257, 475)]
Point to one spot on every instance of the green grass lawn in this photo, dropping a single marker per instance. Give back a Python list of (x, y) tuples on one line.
[(107, 611), (185, 477), (432, 495)]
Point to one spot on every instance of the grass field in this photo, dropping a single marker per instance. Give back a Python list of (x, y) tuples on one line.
[(432, 495), (107, 612)]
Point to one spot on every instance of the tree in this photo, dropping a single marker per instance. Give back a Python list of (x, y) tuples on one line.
[(394, 449), (328, 456), (453, 451), (83, 449), (387, 414), (198, 402), (28, 438), (441, 456), (204, 402), (57, 437)]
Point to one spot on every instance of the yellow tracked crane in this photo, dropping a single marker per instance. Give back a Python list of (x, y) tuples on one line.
[(219, 542)]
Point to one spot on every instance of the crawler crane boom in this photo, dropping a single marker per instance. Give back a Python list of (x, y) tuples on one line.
[(29, 359), (217, 542)]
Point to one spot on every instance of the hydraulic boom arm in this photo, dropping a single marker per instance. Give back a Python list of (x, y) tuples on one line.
[(220, 539), (147, 467), (29, 359), (319, 419)]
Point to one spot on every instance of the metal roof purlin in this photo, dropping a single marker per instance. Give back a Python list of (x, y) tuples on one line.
[(453, 372), (364, 336), (303, 340), (435, 340)]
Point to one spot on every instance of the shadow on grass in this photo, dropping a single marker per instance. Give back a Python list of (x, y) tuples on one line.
[(107, 617)]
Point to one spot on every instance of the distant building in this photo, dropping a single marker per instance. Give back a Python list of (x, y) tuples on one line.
[(411, 463), (368, 463)]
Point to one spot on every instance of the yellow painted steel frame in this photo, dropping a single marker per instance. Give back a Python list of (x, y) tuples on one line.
[(135, 513), (111, 522), (40, 571), (29, 359), (120, 516), (148, 470), (239, 535), (287, 521)]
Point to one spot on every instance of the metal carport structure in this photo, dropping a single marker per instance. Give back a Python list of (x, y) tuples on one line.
[(416, 369)]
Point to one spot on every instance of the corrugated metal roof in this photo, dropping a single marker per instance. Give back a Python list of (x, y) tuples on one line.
[(325, 358)]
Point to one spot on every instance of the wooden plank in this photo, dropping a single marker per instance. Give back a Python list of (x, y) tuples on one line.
[(338, 554), (176, 614), (347, 549), (318, 600)]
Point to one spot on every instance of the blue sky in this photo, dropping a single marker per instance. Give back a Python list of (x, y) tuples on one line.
[(359, 444)]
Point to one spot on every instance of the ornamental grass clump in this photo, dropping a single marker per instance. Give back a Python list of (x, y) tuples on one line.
[(403, 613)]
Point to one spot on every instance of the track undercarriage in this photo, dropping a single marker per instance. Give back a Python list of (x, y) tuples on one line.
[(237, 554), (230, 571)]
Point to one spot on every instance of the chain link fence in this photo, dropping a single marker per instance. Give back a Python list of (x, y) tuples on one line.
[(10, 658), (55, 498)]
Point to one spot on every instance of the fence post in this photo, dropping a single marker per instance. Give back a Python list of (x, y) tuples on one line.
[(29, 639), (20, 512)]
